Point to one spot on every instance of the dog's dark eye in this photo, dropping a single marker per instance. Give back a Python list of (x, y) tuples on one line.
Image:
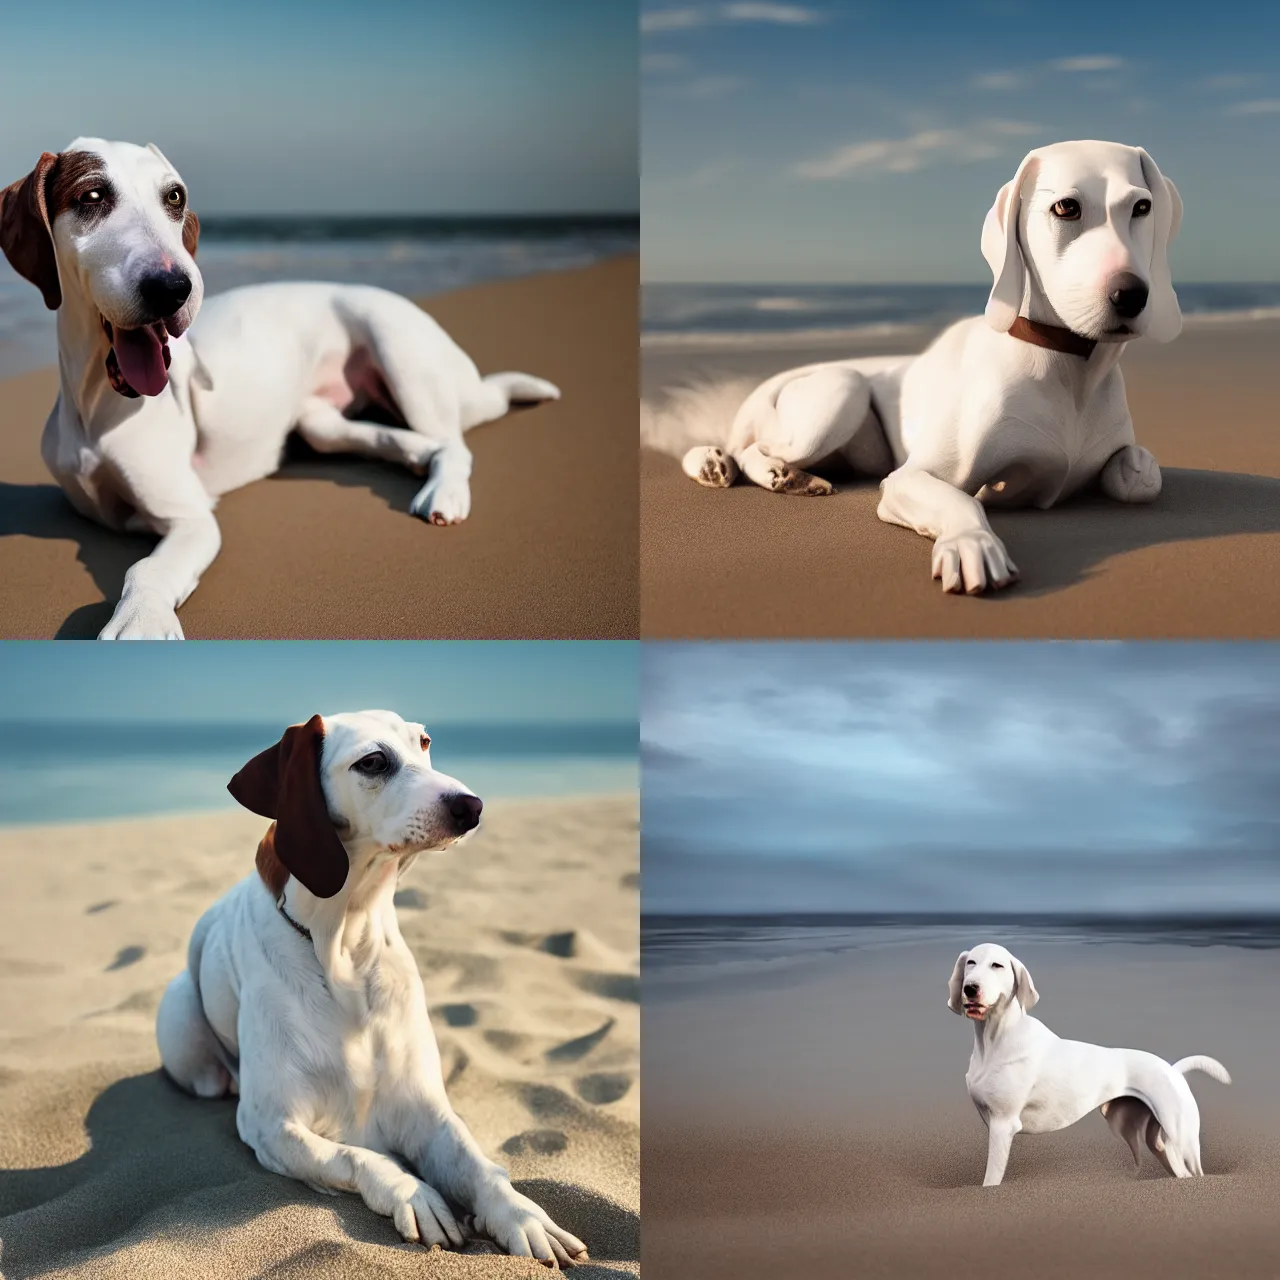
[(994, 965), (1142, 208), (1068, 210), (373, 764), (91, 197), (175, 198), (426, 742)]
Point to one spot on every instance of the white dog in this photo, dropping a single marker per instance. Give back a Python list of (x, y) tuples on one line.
[(1022, 408), (159, 414), (301, 995), (1023, 1079)]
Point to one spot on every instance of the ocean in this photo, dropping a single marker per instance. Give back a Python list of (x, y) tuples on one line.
[(60, 773), (729, 315), (415, 256)]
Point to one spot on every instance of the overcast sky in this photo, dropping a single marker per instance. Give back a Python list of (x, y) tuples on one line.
[(323, 106), (961, 777), (865, 141), (262, 682)]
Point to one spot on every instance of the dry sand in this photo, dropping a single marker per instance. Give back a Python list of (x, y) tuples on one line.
[(1197, 563), (814, 1123), (527, 941), (326, 548)]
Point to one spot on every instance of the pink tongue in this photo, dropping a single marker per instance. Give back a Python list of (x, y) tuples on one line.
[(139, 355)]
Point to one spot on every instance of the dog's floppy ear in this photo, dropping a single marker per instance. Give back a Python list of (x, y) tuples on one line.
[(957, 982), (1003, 252), (1164, 321), (25, 234), (283, 782), (190, 232), (1023, 988)]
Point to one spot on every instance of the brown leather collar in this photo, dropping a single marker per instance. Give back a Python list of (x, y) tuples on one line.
[(1053, 336)]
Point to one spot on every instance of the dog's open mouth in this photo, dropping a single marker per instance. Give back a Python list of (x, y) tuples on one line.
[(975, 1009), (138, 362)]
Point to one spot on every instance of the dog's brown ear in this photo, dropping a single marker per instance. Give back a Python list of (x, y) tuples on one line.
[(25, 234), (190, 232), (283, 782)]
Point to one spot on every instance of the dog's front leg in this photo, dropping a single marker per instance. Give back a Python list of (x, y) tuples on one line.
[(967, 555), (156, 586), (1000, 1134), (418, 1210), (450, 1158), (1131, 474)]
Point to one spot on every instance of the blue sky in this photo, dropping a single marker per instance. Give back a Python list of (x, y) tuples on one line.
[(961, 778), (832, 141), (455, 682), (385, 106)]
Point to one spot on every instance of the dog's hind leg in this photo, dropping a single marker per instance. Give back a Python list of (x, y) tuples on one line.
[(820, 414), (189, 1051), (780, 477), (710, 466), (324, 428)]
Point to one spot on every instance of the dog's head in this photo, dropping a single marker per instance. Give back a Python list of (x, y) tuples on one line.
[(350, 788), (1085, 228), (110, 221), (986, 979)]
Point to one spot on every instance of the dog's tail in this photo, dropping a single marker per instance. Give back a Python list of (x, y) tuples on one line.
[(1210, 1066), (499, 391), (697, 413)]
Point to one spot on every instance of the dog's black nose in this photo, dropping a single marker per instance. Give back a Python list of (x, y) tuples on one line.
[(164, 292), (1128, 294), (464, 810), (971, 991)]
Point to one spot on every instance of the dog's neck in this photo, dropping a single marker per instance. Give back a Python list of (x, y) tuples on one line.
[(350, 931), (999, 1024), (82, 367)]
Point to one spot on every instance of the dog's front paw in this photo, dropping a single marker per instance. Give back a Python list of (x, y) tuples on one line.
[(422, 1216), (1131, 475), (443, 500), (973, 562), (526, 1231), (142, 616)]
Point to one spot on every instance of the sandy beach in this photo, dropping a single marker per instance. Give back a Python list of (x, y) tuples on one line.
[(527, 942), (326, 548), (1195, 564), (811, 1120)]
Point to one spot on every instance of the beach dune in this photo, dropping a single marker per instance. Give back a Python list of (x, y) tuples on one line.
[(811, 1120), (527, 942)]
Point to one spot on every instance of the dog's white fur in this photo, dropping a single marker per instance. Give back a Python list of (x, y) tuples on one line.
[(1024, 1079), (980, 418), (256, 364), (327, 1040)]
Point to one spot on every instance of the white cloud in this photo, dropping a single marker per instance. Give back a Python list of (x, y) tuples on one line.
[(1259, 107), (981, 141), (997, 80), (1097, 62), (686, 19), (1228, 81)]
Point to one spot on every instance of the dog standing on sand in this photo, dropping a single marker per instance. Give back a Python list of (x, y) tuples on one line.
[(159, 414), (1024, 1079), (1022, 407), (301, 996)]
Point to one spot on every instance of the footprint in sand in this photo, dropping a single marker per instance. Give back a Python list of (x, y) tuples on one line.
[(631, 880), (459, 1015), (572, 1050), (541, 1142), (603, 1087), (411, 899), (99, 906), (125, 957), (613, 986), (547, 1102)]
